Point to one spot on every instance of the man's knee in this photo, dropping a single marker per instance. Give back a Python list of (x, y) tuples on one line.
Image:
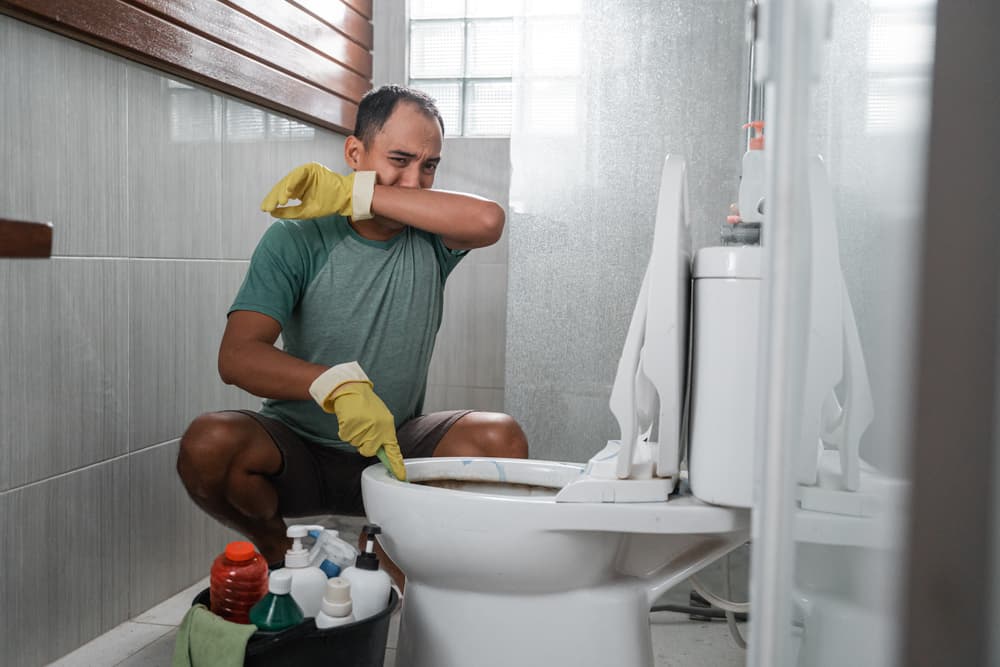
[(206, 451), (499, 435)]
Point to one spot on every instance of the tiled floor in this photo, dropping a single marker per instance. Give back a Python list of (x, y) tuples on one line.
[(148, 640)]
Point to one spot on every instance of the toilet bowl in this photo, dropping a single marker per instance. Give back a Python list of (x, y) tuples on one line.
[(500, 573), (528, 562)]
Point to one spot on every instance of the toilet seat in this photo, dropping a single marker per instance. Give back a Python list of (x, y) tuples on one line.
[(493, 494)]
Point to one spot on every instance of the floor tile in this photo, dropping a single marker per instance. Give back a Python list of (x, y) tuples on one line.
[(114, 646), (679, 642), (158, 654), (171, 611)]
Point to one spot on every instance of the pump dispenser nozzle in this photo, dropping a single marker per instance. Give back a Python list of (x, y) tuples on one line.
[(298, 556), (367, 560), (370, 586)]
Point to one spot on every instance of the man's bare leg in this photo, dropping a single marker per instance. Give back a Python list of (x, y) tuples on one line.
[(224, 461)]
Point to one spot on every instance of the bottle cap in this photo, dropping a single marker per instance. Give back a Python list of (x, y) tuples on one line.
[(337, 597), (757, 137), (280, 582), (367, 560), (239, 551)]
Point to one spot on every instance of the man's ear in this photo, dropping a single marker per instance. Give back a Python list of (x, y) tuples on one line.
[(354, 150)]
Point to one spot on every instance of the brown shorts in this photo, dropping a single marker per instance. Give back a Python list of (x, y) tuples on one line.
[(317, 479)]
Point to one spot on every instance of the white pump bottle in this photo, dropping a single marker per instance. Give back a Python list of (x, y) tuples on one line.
[(308, 581), (752, 177), (370, 586)]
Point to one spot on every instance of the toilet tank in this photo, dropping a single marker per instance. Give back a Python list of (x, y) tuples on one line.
[(724, 353)]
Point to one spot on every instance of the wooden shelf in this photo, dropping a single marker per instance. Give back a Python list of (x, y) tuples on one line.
[(19, 238)]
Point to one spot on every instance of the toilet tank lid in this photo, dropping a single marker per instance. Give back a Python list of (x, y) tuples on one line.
[(727, 262)]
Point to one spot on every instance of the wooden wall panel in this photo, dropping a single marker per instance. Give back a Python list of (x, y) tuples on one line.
[(341, 17), (308, 59)]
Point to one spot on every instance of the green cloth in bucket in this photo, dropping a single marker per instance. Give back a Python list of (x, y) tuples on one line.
[(207, 640)]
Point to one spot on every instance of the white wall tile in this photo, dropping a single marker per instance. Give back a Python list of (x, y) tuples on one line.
[(258, 149), (470, 345), (173, 542), (174, 180), (178, 316), (64, 385), (65, 561), (445, 397), (62, 139)]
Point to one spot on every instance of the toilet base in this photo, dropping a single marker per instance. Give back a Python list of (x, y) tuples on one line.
[(601, 626)]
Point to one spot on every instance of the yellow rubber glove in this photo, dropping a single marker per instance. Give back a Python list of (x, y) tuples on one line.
[(364, 419), (322, 192)]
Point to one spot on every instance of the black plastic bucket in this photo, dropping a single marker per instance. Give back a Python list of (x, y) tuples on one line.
[(358, 644)]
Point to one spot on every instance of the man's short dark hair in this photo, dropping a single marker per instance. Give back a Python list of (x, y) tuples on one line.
[(378, 104)]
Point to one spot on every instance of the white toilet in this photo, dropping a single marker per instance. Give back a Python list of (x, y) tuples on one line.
[(527, 562)]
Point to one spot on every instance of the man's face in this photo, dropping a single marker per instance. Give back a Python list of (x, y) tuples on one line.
[(405, 152)]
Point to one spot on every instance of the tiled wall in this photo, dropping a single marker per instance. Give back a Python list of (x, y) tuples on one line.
[(468, 366), (108, 350)]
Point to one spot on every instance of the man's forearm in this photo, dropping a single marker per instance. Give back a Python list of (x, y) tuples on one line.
[(266, 371), (465, 220)]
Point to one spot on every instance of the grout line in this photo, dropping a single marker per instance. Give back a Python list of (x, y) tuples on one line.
[(67, 473)]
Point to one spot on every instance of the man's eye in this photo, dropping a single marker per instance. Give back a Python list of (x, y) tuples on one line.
[(430, 167), (401, 161)]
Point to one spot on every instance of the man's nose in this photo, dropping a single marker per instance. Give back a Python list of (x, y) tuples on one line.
[(410, 178)]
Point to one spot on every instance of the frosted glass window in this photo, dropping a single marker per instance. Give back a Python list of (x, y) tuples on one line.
[(462, 55), (493, 8), (437, 49), (448, 96), (487, 108), (490, 49), (437, 9)]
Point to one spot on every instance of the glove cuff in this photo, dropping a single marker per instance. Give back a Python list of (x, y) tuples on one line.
[(362, 194), (323, 387)]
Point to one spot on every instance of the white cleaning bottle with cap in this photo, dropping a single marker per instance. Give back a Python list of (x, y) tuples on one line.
[(370, 586), (308, 581), (336, 608), (752, 177)]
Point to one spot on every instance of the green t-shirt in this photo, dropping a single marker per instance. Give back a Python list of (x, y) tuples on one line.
[(340, 297)]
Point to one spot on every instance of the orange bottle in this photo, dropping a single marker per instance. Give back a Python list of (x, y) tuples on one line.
[(238, 582)]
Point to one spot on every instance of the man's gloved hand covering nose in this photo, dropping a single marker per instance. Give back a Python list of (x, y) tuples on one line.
[(322, 192), (364, 420)]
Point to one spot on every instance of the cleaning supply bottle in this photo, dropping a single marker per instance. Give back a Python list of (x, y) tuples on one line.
[(330, 553), (336, 608), (308, 581), (238, 581), (751, 198), (369, 585), (277, 610)]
